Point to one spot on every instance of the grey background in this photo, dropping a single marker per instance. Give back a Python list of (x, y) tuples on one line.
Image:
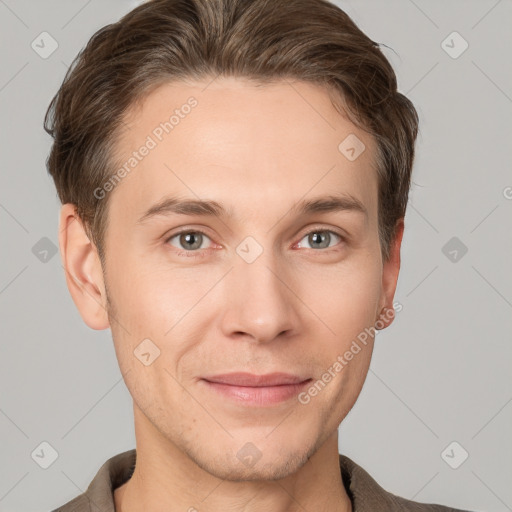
[(440, 373)]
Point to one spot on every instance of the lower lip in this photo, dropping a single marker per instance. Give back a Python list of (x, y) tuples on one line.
[(258, 396)]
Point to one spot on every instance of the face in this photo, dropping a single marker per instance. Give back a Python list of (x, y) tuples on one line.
[(257, 283)]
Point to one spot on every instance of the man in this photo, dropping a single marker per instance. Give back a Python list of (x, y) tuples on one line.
[(234, 178)]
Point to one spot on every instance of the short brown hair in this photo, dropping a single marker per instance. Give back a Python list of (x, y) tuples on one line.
[(263, 40)]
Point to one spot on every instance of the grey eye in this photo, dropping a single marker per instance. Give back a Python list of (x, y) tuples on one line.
[(189, 240), (320, 238)]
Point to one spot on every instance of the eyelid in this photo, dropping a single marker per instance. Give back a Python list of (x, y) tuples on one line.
[(185, 229), (325, 228)]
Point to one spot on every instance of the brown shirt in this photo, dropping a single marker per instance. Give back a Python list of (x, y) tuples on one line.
[(365, 493)]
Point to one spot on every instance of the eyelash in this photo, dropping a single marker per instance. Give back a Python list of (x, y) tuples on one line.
[(201, 253)]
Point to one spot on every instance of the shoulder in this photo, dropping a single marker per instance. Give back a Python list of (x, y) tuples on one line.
[(100, 492), (368, 496), (79, 504)]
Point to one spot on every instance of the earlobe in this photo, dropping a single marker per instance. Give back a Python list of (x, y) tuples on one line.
[(390, 271), (82, 266)]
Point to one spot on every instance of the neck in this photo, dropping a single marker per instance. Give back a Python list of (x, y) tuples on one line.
[(167, 478)]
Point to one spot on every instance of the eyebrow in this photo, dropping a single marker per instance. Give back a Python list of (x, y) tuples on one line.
[(209, 208)]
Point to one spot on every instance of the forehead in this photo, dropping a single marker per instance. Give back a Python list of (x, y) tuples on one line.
[(244, 144)]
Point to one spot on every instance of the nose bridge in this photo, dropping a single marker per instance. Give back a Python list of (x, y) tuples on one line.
[(259, 303)]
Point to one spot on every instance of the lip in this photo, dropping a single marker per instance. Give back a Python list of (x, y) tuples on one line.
[(253, 380), (256, 390)]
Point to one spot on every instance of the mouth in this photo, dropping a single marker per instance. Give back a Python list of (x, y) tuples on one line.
[(253, 380), (257, 390)]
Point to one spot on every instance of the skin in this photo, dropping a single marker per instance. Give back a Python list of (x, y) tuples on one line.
[(257, 150)]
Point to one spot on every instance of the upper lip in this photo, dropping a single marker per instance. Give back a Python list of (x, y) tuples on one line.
[(252, 380)]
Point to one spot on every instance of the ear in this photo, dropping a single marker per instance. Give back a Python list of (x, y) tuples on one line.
[(82, 266), (390, 271)]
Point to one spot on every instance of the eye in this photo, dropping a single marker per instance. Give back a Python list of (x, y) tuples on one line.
[(321, 238), (191, 241)]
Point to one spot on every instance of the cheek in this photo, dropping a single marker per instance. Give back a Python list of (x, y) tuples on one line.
[(344, 297), (149, 298), (345, 301), (157, 304)]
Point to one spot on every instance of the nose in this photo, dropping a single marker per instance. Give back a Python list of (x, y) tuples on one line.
[(260, 303)]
